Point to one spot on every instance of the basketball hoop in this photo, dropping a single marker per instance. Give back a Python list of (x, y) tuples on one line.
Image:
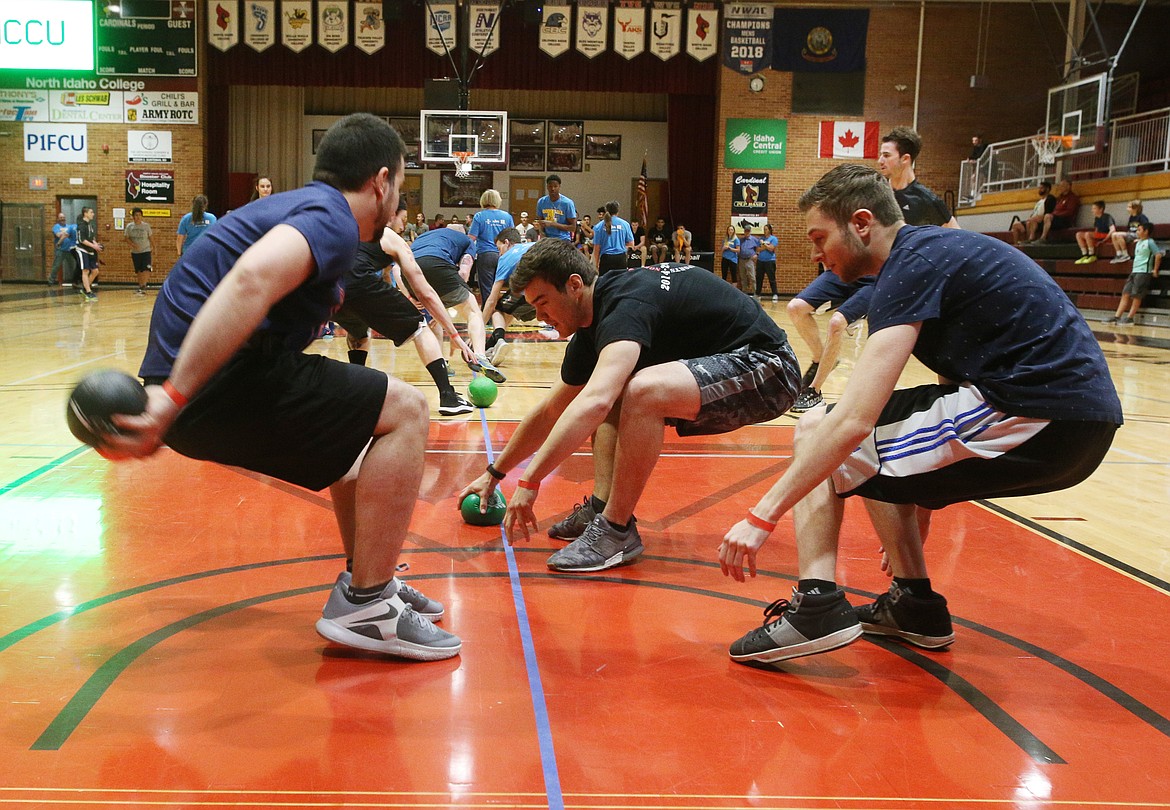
[(1049, 147), (463, 165)]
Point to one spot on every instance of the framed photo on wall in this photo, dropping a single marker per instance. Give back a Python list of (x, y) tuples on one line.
[(526, 159), (566, 133), (562, 159), (526, 133), (603, 147), (462, 192)]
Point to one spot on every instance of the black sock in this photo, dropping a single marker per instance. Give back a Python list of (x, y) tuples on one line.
[(823, 586), (438, 371), (621, 527), (349, 565), (915, 587), (358, 357), (597, 504), (363, 596)]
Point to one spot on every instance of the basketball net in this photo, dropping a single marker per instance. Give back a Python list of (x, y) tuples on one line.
[(463, 165), (1048, 147)]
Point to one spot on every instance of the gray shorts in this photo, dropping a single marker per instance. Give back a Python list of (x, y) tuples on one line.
[(739, 388), (1137, 285), (444, 277)]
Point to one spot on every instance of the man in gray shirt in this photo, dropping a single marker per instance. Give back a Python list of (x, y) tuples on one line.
[(138, 233)]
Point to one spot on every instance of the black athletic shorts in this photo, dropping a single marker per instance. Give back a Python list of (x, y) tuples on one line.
[(611, 261), (444, 277), (485, 271), (302, 418), (373, 302), (141, 262)]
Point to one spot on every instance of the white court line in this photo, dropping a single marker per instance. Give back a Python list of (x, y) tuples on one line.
[(59, 370), (1138, 456)]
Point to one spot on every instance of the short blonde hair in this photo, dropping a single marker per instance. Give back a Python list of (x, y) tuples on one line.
[(1136, 205), (490, 197)]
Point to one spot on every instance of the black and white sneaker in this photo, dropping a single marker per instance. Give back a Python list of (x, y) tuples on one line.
[(452, 403), (808, 624), (809, 398), (386, 625), (923, 621)]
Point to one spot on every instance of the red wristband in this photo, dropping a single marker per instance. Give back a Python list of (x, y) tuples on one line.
[(759, 522), (528, 485), (174, 394)]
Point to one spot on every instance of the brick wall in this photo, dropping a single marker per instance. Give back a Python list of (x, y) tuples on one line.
[(950, 111)]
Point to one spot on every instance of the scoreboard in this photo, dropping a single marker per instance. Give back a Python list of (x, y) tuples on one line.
[(147, 38)]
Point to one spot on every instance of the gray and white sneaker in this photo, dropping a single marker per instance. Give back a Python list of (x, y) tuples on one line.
[(481, 365), (810, 623), (598, 548), (498, 352), (423, 605), (575, 524), (386, 625)]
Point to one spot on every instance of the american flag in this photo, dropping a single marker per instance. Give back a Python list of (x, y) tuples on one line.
[(642, 204)]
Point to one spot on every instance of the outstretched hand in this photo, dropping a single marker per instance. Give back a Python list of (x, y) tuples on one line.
[(520, 513), (739, 546), (143, 434)]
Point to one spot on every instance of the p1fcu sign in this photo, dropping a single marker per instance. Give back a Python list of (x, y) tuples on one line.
[(167, 108), (56, 143)]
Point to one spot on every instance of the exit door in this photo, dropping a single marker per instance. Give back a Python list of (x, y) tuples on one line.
[(22, 249)]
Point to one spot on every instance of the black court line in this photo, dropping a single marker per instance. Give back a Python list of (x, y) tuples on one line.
[(57, 733)]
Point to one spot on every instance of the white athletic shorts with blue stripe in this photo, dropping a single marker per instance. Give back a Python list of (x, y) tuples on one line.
[(940, 444)]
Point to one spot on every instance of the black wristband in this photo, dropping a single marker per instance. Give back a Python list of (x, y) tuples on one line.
[(496, 474)]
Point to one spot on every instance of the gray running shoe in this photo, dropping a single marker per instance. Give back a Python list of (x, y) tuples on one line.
[(386, 625), (482, 365), (1124, 320), (599, 548), (575, 524), (810, 623), (423, 605), (922, 621), (498, 352), (809, 398)]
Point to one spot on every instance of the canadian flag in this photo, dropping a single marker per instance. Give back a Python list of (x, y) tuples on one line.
[(850, 139)]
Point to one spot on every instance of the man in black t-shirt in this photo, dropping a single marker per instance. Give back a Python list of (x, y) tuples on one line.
[(670, 345), (658, 242)]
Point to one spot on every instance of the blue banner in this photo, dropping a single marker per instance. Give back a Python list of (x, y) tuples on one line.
[(819, 40)]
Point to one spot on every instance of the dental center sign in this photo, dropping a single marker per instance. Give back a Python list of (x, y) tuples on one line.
[(52, 35)]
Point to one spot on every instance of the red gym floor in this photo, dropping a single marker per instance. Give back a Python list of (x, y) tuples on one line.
[(158, 651)]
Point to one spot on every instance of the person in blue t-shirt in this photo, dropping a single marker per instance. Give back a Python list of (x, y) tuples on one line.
[(485, 227), (727, 268), (193, 224), (228, 380), (556, 215), (766, 264), (64, 241), (1027, 406), (613, 238)]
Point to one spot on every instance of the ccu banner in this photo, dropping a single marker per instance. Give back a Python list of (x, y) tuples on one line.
[(755, 143), (749, 193)]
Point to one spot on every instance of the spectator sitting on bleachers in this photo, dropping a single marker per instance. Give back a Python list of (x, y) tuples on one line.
[(1103, 228), (1121, 239), (1024, 231), (1064, 215)]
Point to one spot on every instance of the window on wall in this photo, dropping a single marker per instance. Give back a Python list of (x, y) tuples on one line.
[(829, 93)]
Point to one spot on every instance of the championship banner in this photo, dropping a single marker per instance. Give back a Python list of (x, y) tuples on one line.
[(485, 26), (629, 28), (223, 26), (296, 24), (820, 40), (747, 37), (440, 26), (554, 29), (259, 24), (850, 140), (749, 193), (333, 24), (592, 21), (702, 23), (369, 27), (665, 30)]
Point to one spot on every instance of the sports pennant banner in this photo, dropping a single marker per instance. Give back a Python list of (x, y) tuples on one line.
[(555, 26), (850, 140), (820, 40), (485, 26), (296, 24), (629, 28), (702, 24), (369, 27), (665, 30), (333, 24), (259, 24), (223, 23), (592, 21), (747, 37), (440, 26)]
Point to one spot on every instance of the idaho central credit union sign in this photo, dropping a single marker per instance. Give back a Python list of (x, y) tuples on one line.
[(170, 108), (56, 143), (755, 143)]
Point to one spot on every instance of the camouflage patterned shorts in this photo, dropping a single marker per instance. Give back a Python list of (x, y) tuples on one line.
[(739, 388)]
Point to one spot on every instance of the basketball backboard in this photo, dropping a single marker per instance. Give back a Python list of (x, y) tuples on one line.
[(1077, 110), (482, 134)]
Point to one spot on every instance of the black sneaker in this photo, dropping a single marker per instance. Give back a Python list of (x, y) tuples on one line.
[(922, 621), (809, 398), (810, 375), (452, 403), (574, 525), (810, 623)]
